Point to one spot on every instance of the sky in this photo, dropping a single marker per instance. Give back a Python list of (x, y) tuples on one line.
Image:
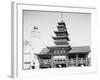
[(78, 26)]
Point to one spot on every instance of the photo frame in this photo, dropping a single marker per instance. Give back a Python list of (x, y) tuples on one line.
[(18, 35)]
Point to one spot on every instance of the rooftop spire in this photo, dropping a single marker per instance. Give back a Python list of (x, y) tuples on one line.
[(61, 16)]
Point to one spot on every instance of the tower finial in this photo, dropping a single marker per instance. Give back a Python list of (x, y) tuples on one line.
[(61, 16)]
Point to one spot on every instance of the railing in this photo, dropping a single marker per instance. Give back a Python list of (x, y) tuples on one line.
[(71, 62), (59, 61), (79, 62), (46, 61)]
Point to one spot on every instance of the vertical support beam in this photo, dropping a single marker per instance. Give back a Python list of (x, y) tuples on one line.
[(67, 60), (52, 64), (86, 59), (76, 59), (39, 61)]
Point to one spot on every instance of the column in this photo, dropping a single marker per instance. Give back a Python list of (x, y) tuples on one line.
[(86, 59), (52, 64), (39, 60), (76, 59), (67, 60)]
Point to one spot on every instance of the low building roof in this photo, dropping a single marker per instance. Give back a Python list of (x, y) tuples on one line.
[(80, 49), (44, 51), (76, 49)]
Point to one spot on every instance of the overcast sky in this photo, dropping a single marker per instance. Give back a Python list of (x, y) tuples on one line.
[(78, 26)]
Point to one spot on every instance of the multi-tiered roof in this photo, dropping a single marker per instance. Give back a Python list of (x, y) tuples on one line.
[(61, 39)]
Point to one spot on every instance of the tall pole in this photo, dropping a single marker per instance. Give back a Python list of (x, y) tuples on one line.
[(62, 16)]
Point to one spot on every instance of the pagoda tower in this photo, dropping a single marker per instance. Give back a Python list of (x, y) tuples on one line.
[(61, 39)]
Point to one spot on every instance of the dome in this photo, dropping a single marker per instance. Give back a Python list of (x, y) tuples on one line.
[(35, 27)]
